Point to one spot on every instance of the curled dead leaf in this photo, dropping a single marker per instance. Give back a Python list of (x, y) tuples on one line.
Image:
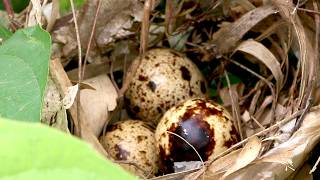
[(264, 55), (248, 154)]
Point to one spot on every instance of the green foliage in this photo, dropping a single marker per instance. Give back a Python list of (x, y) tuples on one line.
[(17, 5), (4, 33), (35, 151), (24, 61), (66, 7), (233, 79)]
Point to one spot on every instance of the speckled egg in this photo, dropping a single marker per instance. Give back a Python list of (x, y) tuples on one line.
[(132, 141), (163, 79), (207, 126)]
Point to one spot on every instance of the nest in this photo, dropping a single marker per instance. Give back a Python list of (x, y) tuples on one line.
[(260, 59)]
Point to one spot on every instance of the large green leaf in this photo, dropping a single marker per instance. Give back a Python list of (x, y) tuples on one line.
[(35, 151), (4, 33), (24, 61)]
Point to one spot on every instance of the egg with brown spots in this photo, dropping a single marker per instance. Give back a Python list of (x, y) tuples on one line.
[(163, 79), (132, 141), (204, 124)]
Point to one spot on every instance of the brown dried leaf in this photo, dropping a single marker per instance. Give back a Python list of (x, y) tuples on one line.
[(222, 164), (275, 163), (63, 82), (96, 103), (259, 51), (248, 154), (226, 39), (308, 65)]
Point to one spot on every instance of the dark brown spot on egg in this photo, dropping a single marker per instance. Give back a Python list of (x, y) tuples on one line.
[(147, 57), (152, 85), (203, 87), (143, 78), (141, 138), (191, 92), (142, 152), (121, 154), (185, 73), (136, 109), (157, 65), (233, 139), (142, 99), (159, 110)]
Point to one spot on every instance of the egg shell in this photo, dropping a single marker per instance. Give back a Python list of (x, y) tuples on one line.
[(163, 79), (132, 141), (206, 125)]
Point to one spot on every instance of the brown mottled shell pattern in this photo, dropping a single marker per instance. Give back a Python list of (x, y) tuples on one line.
[(164, 79), (132, 141), (203, 123)]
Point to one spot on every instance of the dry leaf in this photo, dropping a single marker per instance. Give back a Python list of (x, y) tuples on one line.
[(228, 36), (70, 96), (248, 154), (96, 103), (263, 54), (222, 164), (62, 82)]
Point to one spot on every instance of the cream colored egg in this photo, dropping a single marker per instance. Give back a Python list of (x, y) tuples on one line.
[(132, 141), (206, 125), (163, 79)]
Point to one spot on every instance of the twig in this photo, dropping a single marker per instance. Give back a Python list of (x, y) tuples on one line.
[(235, 107), (9, 10), (77, 131), (314, 168), (91, 37)]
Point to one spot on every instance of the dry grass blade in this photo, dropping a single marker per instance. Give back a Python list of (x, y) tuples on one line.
[(307, 61), (235, 105), (259, 51), (54, 14), (248, 154), (148, 5), (228, 36), (35, 14)]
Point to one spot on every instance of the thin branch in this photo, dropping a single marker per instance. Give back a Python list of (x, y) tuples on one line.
[(9, 10), (235, 107), (77, 131), (91, 37)]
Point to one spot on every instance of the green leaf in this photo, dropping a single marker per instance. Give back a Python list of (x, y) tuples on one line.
[(17, 5), (35, 151), (24, 61), (4, 33), (66, 7)]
